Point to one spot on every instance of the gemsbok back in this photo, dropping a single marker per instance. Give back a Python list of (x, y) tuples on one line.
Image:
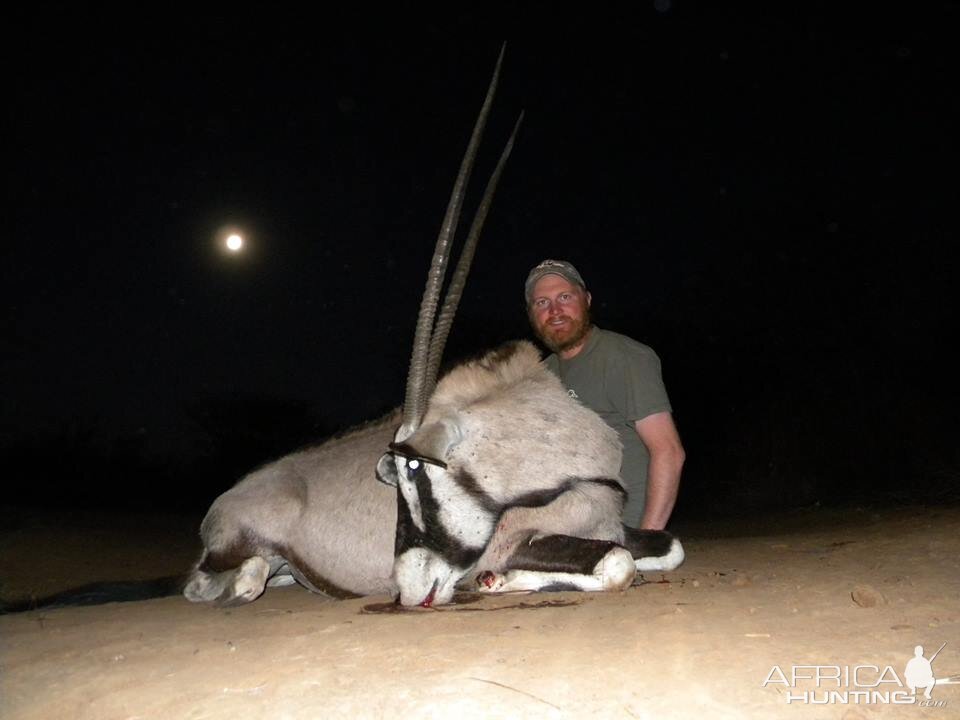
[(492, 479)]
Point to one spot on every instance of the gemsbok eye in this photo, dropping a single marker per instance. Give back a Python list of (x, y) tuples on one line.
[(413, 464)]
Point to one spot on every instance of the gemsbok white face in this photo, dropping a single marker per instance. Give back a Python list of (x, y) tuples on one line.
[(442, 531)]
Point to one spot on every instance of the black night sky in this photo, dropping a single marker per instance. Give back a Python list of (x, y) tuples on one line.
[(767, 198)]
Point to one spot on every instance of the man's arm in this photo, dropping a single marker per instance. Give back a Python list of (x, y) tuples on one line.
[(660, 435)]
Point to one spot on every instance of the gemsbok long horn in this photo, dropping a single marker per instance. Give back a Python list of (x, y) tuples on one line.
[(459, 279), (429, 340)]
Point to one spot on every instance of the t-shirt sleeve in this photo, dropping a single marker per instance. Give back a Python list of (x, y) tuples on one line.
[(635, 384)]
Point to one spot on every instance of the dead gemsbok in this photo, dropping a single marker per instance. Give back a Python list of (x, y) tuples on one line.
[(495, 479), (491, 478)]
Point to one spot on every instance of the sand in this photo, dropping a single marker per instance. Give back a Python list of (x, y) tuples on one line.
[(816, 588)]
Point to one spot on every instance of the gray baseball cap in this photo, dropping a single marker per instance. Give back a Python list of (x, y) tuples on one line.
[(552, 267)]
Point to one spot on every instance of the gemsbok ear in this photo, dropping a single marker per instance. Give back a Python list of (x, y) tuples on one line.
[(387, 469), (431, 442)]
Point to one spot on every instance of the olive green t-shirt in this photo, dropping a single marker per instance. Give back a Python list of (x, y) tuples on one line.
[(619, 379)]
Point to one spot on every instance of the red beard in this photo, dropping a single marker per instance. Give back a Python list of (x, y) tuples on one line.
[(563, 337)]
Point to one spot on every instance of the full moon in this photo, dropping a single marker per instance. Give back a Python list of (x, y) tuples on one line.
[(234, 243)]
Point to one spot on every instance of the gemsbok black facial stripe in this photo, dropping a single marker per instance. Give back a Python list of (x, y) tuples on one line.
[(409, 453), (434, 536)]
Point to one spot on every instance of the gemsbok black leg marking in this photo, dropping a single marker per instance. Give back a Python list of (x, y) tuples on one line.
[(562, 562), (560, 554)]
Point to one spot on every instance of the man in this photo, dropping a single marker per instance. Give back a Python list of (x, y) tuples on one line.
[(616, 377)]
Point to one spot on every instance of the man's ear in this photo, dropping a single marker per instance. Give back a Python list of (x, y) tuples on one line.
[(589, 298)]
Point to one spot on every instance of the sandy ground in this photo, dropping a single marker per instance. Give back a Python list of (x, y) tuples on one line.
[(833, 588)]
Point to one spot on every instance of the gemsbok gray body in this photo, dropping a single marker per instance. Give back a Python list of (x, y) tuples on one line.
[(492, 479)]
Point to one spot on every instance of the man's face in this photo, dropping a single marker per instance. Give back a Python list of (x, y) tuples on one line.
[(559, 312)]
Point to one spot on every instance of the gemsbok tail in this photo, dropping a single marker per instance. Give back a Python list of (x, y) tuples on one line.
[(99, 593)]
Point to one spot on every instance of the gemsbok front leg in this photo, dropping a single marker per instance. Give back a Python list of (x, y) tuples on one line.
[(560, 562), (573, 540)]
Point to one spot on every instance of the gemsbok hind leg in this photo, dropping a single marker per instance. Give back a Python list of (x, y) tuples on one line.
[(235, 586), (241, 555), (236, 563)]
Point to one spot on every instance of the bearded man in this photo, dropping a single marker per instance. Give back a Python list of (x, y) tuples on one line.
[(619, 379)]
